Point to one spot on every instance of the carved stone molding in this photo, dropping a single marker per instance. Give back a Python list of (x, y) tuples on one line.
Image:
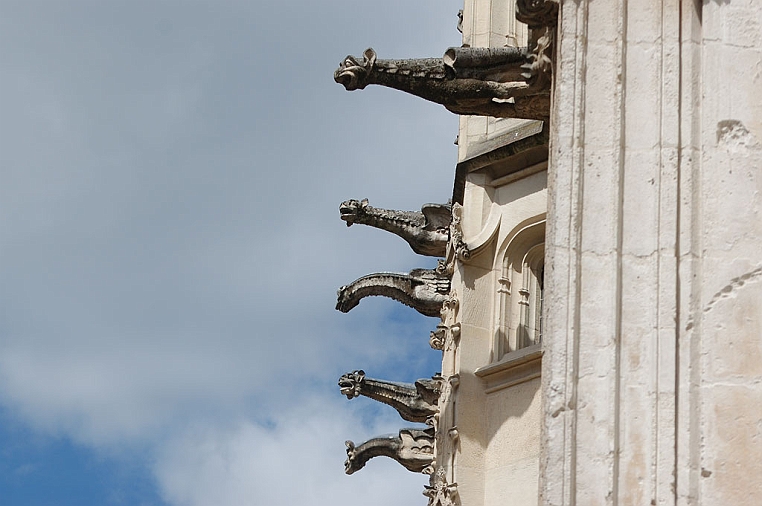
[(414, 402), (457, 243), (447, 333), (515, 367), (437, 337), (425, 230), (539, 69), (422, 289), (412, 448), (439, 491)]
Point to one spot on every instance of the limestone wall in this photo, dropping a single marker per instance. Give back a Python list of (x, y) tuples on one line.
[(498, 401), (652, 374)]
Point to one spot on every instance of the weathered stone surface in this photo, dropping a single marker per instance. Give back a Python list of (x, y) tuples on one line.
[(422, 289), (425, 230), (414, 402), (651, 378), (412, 448)]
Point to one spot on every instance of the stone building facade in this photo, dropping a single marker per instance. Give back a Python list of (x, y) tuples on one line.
[(600, 287)]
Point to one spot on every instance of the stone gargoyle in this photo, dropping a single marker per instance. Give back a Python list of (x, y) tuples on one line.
[(414, 402), (425, 230), (413, 448), (503, 82), (425, 290)]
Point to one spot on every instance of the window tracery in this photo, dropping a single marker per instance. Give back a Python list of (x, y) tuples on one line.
[(520, 291)]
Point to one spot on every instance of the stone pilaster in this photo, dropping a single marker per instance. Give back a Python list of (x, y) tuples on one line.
[(651, 374)]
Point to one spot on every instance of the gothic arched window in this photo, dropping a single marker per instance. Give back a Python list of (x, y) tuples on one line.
[(520, 291)]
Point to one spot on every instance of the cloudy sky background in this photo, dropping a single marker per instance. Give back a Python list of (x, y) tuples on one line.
[(170, 247)]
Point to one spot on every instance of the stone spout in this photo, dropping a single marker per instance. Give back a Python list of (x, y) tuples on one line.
[(425, 290), (425, 230), (414, 402), (472, 81), (413, 448)]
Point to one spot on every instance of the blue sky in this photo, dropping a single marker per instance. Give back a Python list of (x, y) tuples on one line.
[(170, 247)]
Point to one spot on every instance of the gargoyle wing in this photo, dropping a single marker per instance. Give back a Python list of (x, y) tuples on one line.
[(429, 389), (433, 281), (438, 216)]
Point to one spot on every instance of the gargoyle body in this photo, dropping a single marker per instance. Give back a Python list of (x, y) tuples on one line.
[(422, 289), (413, 448), (414, 403), (497, 82), (425, 230)]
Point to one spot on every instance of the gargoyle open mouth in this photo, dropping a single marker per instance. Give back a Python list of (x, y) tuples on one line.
[(353, 73), (350, 210), (347, 388), (349, 384), (347, 78), (347, 214)]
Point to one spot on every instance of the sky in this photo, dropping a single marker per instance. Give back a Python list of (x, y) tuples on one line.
[(170, 248)]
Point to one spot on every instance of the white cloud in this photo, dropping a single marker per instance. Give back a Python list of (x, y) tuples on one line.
[(296, 460)]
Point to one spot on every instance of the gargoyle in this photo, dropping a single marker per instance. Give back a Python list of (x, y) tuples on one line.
[(499, 82), (425, 230), (413, 448), (414, 403), (425, 290)]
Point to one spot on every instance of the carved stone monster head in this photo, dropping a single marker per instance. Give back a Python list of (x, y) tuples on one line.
[(353, 73), (437, 337), (350, 465), (351, 383), (352, 210), (344, 302)]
